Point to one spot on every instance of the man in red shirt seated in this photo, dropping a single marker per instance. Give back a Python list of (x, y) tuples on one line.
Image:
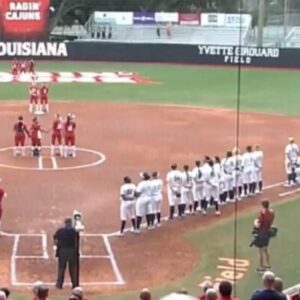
[(264, 223)]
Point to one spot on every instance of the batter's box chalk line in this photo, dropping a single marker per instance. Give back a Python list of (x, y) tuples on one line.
[(119, 280), (39, 161)]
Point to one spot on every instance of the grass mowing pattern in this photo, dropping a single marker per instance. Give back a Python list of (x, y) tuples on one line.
[(272, 91)]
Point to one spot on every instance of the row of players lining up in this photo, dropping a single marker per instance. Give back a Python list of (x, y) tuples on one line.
[(60, 130), (22, 66), (38, 97), (214, 183)]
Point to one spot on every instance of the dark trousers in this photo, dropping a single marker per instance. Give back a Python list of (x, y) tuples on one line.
[(67, 257)]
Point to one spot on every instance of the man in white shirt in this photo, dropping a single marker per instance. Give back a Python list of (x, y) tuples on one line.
[(198, 185), (206, 171), (156, 195), (174, 181), (227, 166), (248, 170), (186, 191), (127, 205), (143, 203), (291, 156), (213, 191), (258, 156), (238, 172)]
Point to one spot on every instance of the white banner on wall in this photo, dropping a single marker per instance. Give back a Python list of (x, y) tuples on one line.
[(167, 17), (209, 19), (111, 17), (237, 20)]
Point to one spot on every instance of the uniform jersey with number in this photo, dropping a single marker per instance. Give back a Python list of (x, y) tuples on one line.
[(156, 188), (174, 180), (227, 165), (258, 159), (144, 189), (248, 161), (127, 192), (238, 162), (187, 180), (291, 152)]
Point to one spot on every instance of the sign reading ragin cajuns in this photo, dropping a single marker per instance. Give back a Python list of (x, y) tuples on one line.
[(24, 19)]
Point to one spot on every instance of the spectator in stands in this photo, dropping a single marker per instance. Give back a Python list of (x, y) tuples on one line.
[(268, 292), (158, 33), (145, 294), (40, 291), (205, 286), (6, 291), (103, 32), (211, 294), (109, 33), (225, 290), (98, 33), (77, 292), (2, 295), (182, 291), (278, 287), (175, 296)]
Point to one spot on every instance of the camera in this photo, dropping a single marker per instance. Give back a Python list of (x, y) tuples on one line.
[(78, 221)]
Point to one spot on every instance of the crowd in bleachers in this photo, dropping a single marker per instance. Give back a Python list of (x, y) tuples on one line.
[(271, 289)]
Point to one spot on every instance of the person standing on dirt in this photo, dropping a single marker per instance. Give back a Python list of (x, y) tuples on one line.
[(65, 244)]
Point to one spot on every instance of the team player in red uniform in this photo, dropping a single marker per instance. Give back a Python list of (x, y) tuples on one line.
[(36, 137), (56, 137), (14, 68), (43, 93), (33, 100), (20, 130), (23, 66), (69, 135), (31, 66), (2, 196)]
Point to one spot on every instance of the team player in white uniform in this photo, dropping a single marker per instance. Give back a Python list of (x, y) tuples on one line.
[(198, 185), (206, 171), (291, 156), (213, 189), (174, 181), (227, 167), (156, 196), (186, 200), (248, 172), (237, 173), (143, 203), (258, 156), (127, 207)]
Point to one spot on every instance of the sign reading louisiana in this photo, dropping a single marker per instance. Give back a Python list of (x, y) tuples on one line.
[(24, 19), (34, 49)]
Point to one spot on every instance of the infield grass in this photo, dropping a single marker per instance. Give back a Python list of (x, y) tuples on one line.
[(273, 91)]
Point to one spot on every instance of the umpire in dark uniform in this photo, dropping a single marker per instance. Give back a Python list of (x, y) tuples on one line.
[(65, 241)]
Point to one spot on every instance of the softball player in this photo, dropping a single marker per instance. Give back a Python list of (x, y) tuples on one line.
[(174, 181), (213, 190), (237, 173), (198, 185), (258, 156), (127, 207), (186, 191), (143, 203), (248, 172), (227, 167), (156, 195), (291, 155), (206, 171)]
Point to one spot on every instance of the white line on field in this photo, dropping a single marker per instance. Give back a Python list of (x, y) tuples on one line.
[(13, 274), (54, 163), (40, 163), (289, 193), (45, 246), (113, 261)]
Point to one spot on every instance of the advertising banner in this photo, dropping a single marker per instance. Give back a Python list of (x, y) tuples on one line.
[(208, 19), (237, 20), (166, 17), (111, 17), (189, 19), (143, 18), (24, 19)]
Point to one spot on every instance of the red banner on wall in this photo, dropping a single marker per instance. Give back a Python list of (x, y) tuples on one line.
[(189, 19), (24, 19)]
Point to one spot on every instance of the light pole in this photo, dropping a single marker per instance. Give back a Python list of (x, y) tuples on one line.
[(261, 21), (285, 20)]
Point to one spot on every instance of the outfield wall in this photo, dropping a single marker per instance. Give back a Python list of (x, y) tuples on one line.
[(168, 53)]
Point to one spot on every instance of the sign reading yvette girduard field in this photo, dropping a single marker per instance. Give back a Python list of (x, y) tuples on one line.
[(24, 19), (33, 49), (232, 54)]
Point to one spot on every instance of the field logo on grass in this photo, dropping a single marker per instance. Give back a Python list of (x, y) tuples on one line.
[(35, 49), (232, 54), (230, 269)]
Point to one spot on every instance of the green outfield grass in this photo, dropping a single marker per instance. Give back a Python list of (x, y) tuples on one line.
[(272, 91), (217, 241)]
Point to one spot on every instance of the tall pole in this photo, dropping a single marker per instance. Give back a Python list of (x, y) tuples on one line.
[(78, 259), (261, 21), (285, 20)]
